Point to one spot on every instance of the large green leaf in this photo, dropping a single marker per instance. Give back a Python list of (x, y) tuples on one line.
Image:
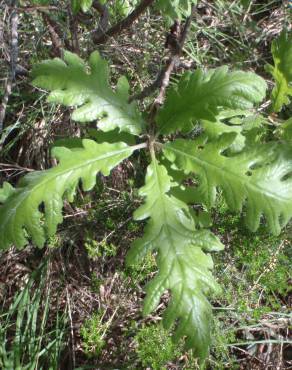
[(199, 95), (282, 70), (259, 178), (184, 268), (35, 207), (72, 83)]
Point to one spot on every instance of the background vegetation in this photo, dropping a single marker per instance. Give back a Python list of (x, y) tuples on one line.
[(73, 305)]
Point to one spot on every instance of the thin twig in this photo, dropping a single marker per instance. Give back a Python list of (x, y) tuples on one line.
[(252, 343), (103, 21), (13, 63), (56, 40), (175, 44), (14, 166), (28, 9), (73, 26), (55, 33), (123, 24)]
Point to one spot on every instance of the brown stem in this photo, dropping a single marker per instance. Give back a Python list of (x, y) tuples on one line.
[(55, 34), (104, 19), (73, 26), (174, 59), (56, 40), (26, 9), (123, 24), (175, 42)]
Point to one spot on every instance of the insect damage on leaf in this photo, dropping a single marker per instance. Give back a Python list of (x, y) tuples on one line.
[(201, 95)]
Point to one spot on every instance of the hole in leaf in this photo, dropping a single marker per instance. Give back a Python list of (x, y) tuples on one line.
[(41, 207), (287, 176)]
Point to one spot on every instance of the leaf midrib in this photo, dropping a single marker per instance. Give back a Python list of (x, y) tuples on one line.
[(27, 193), (167, 226), (203, 96)]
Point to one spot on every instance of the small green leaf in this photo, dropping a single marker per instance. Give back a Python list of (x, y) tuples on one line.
[(72, 83), (174, 9), (237, 121), (85, 5), (6, 191), (245, 3), (201, 95), (184, 268), (76, 6), (281, 71), (34, 207), (286, 130)]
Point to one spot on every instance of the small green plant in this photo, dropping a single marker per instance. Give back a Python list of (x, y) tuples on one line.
[(183, 170), (281, 71), (155, 347), (140, 272), (25, 340), (98, 249), (222, 337), (93, 332)]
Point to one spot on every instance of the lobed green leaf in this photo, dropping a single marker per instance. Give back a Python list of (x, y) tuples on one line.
[(201, 95), (73, 83), (34, 207), (6, 191), (286, 130), (281, 71), (259, 177), (184, 268), (247, 126)]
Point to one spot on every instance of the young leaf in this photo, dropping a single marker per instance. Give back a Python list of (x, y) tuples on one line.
[(6, 191), (72, 84), (184, 268), (174, 9), (76, 6), (286, 130), (85, 5), (259, 176), (282, 70), (237, 121), (199, 95), (35, 206)]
